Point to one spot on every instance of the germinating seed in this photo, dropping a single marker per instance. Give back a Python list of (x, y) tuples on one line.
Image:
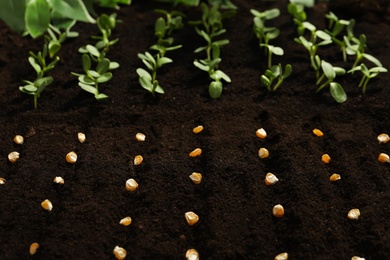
[(317, 132), (278, 211), (131, 185), (13, 157), (357, 258), (261, 133), (197, 129), (270, 179), (18, 139), (59, 180), (383, 138), (71, 157), (196, 152), (354, 214), (383, 158), (2, 181), (81, 137), (263, 153), (192, 254), (125, 221), (196, 177), (47, 205), (335, 177), (191, 218), (140, 137), (33, 248), (120, 253), (325, 158), (282, 256), (138, 160)]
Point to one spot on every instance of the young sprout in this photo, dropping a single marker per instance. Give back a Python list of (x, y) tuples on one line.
[(367, 74), (263, 33), (275, 72), (35, 88), (299, 14), (384, 158), (330, 72)]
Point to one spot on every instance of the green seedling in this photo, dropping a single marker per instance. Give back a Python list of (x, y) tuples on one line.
[(92, 78), (367, 74), (35, 88), (263, 33), (299, 16), (113, 3), (275, 72), (272, 50), (330, 72)]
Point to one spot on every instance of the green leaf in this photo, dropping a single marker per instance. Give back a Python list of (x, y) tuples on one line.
[(54, 47), (276, 50), (200, 49), (309, 26), (104, 78), (159, 89), (372, 59), (92, 50), (73, 9), (337, 92), (215, 89), (215, 51), (221, 75), (102, 66), (364, 70), (163, 60), (266, 82), (37, 17), (145, 83), (160, 27), (323, 35), (143, 73), (328, 70), (221, 42), (86, 80), (88, 88), (35, 64), (86, 62), (271, 14), (201, 66), (12, 13), (93, 73), (113, 65), (287, 71), (101, 96), (42, 83), (29, 89)]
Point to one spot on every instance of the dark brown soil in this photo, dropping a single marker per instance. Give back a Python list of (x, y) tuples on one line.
[(232, 201)]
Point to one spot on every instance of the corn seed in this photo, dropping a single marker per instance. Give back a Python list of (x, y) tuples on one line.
[(125, 221), (196, 152), (335, 177), (138, 160), (325, 158), (196, 177), (263, 153), (120, 253), (261, 133), (383, 138), (191, 218), (81, 137), (59, 180), (71, 157), (2, 181), (278, 211), (270, 179), (18, 139), (282, 256), (197, 129), (131, 185), (140, 137), (357, 258), (354, 214), (33, 248), (47, 205), (13, 157), (192, 254), (383, 158), (318, 132)]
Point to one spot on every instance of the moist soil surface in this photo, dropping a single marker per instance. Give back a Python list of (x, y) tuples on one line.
[(232, 201)]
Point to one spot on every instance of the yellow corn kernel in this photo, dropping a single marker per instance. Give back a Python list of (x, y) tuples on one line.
[(383, 158), (47, 205), (125, 221), (18, 139), (357, 258), (140, 137), (71, 157), (383, 138), (33, 248), (270, 179), (325, 158), (191, 218), (138, 160), (354, 214), (196, 152), (192, 254), (282, 256), (196, 177), (318, 132), (278, 211), (2, 181), (59, 180), (120, 253), (261, 133), (335, 177), (13, 157), (131, 185), (197, 129), (81, 137), (263, 153)]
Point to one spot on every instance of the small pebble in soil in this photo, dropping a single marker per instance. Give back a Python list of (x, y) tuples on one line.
[(18, 139), (357, 258), (71, 157), (383, 138), (13, 156), (192, 254), (120, 253), (197, 129), (138, 160), (278, 211), (59, 180), (131, 185), (125, 221), (335, 177), (325, 158), (81, 137), (195, 153), (34, 248), (47, 205), (191, 218), (263, 153), (383, 158), (196, 177), (354, 214), (270, 179), (2, 181), (140, 137), (261, 133), (282, 256), (318, 132)]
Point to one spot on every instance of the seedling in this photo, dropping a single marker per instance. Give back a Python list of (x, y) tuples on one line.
[(35, 88), (263, 33), (367, 74), (275, 72), (299, 14), (330, 72)]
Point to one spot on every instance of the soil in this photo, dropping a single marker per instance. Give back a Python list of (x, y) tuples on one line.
[(232, 201)]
